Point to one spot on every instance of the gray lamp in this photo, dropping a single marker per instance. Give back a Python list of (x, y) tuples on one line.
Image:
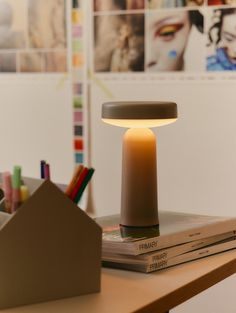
[(139, 205)]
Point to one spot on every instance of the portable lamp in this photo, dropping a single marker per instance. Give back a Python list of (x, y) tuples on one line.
[(139, 205)]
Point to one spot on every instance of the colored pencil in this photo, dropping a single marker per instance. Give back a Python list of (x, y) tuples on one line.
[(79, 183), (74, 179)]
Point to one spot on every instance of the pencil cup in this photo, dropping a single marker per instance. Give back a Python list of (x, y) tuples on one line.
[(45, 253)]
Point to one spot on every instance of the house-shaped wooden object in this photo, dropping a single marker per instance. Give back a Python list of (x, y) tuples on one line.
[(49, 249)]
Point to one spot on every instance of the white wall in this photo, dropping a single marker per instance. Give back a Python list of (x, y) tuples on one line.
[(196, 159), (36, 123)]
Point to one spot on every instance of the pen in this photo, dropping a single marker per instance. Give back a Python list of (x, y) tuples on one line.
[(16, 182), (7, 188)]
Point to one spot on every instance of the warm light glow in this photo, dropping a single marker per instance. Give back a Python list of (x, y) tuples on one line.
[(141, 123), (139, 135)]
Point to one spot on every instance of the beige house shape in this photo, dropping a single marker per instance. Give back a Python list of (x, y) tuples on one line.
[(49, 249)]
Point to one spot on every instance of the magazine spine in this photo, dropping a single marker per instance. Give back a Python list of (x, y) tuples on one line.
[(165, 241), (187, 247), (197, 254)]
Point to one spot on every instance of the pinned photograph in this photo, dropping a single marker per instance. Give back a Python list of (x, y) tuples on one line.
[(12, 24), (119, 43), (222, 40), (47, 26), (157, 4), (55, 62), (172, 39), (118, 5), (8, 62), (31, 62)]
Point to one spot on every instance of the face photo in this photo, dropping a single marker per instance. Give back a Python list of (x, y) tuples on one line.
[(117, 5), (47, 27), (222, 40), (168, 34), (119, 43), (157, 4)]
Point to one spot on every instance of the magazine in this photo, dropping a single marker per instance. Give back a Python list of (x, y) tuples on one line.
[(175, 228), (149, 266), (167, 253)]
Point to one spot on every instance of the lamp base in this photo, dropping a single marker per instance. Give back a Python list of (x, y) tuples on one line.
[(139, 232), (139, 179)]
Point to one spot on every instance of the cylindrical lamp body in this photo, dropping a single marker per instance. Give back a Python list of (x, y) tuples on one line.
[(139, 179)]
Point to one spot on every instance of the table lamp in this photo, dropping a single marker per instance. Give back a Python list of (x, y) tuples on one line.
[(139, 205)]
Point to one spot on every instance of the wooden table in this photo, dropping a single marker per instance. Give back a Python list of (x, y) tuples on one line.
[(125, 292)]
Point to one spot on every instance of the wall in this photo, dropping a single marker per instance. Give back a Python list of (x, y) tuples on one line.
[(36, 123)]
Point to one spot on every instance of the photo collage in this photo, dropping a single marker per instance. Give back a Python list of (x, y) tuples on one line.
[(33, 36), (164, 36)]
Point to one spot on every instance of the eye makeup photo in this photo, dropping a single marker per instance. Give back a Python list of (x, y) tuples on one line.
[(168, 31), (167, 38)]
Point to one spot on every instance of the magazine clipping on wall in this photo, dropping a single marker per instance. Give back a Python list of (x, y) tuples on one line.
[(33, 36), (164, 40)]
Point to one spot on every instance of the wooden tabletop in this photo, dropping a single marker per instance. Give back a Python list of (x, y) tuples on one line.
[(125, 291)]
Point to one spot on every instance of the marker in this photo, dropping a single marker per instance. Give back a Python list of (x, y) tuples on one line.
[(2, 205), (42, 163), (84, 184), (24, 193), (16, 182), (2, 199), (47, 171), (1, 194), (7, 188)]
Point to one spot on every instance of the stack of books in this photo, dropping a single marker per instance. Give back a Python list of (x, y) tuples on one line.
[(180, 237)]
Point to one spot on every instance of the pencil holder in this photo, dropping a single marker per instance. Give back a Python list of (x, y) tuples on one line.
[(50, 249)]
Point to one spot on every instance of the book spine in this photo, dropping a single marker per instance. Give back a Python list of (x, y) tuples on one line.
[(165, 241), (161, 264)]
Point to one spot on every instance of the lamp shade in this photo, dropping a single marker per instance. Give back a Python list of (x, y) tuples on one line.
[(139, 113)]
